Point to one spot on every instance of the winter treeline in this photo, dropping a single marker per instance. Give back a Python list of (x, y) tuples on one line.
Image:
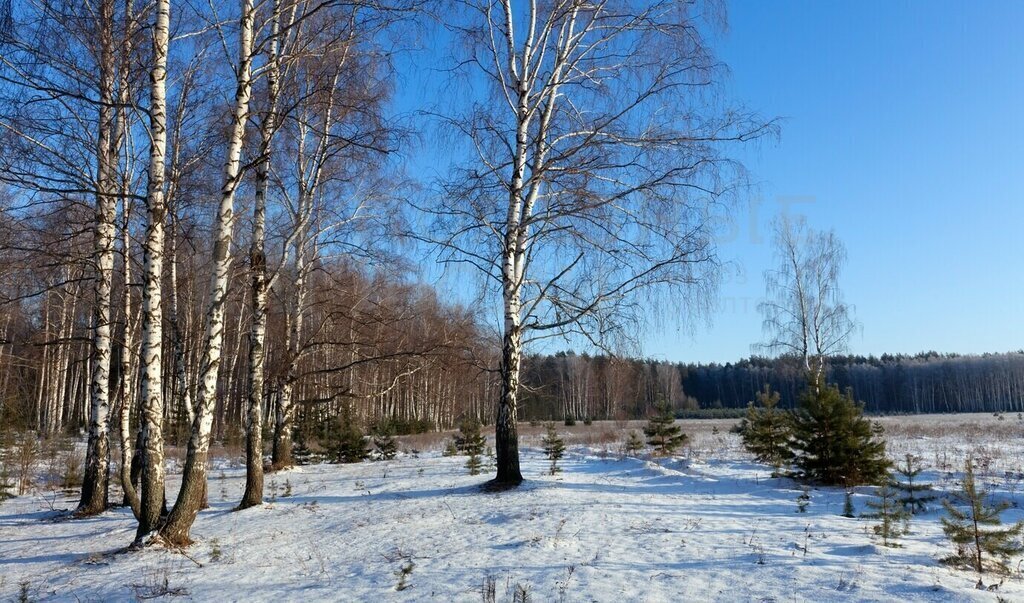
[(581, 386), (387, 348)]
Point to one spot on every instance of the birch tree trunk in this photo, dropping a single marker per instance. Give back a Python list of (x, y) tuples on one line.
[(310, 166), (595, 130), (152, 498), (128, 375), (281, 455), (506, 433), (282, 451), (258, 267), (181, 398), (97, 473), (193, 486)]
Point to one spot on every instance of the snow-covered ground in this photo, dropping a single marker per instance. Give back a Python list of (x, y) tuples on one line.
[(706, 526)]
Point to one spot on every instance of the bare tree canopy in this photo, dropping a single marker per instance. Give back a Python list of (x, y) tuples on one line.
[(804, 313), (598, 150)]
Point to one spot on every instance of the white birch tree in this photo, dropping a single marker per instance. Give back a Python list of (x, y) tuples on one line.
[(128, 363), (804, 312), (596, 159), (97, 471), (253, 494), (151, 354), (192, 494)]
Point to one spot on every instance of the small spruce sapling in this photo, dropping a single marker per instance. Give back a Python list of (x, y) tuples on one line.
[(215, 551), (914, 495), (833, 443), (633, 445), (848, 510), (474, 464), (384, 441), (344, 440), (981, 543), (765, 430), (891, 515), (471, 442), (803, 500), (403, 575), (302, 454), (554, 447), (663, 433)]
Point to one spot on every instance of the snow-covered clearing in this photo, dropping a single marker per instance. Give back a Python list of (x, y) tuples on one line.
[(706, 526)]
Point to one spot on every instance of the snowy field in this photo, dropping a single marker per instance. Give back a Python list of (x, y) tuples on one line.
[(707, 525)]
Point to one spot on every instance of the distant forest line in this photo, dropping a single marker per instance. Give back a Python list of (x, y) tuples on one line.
[(581, 386)]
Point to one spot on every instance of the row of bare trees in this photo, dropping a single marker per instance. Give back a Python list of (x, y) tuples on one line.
[(388, 348), (202, 228), (121, 291)]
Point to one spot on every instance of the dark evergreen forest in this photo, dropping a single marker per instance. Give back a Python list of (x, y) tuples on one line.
[(580, 386)]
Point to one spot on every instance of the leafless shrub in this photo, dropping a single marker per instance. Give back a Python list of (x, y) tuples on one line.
[(155, 587), (488, 589), (65, 463), (24, 456), (521, 593)]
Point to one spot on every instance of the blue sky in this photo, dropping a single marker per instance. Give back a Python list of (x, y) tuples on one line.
[(903, 130)]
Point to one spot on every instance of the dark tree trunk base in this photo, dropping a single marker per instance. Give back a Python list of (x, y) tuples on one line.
[(247, 504), (500, 486), (88, 511), (174, 539), (96, 481)]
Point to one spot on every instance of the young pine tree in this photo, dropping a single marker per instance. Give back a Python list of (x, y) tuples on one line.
[(633, 444), (848, 510), (663, 433), (344, 441), (913, 495), (981, 544), (554, 447), (832, 442), (891, 515), (469, 441), (384, 440), (301, 452), (766, 430), (474, 464), (803, 500)]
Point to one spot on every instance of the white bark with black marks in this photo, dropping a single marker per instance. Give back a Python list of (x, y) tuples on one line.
[(253, 494), (97, 468), (595, 165), (192, 494), (151, 398)]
